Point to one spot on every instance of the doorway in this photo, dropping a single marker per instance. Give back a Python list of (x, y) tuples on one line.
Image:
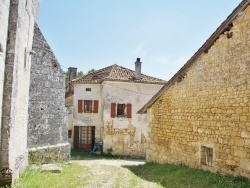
[(87, 137)]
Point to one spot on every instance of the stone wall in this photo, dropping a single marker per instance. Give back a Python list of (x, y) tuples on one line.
[(4, 18), (48, 123), (14, 154), (122, 135), (209, 110), (86, 119), (49, 154), (70, 108)]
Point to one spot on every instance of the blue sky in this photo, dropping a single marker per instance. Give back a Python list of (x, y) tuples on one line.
[(99, 33)]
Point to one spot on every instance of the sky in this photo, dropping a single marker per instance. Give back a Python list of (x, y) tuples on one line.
[(98, 33)]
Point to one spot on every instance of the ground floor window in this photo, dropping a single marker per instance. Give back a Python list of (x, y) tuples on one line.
[(206, 156)]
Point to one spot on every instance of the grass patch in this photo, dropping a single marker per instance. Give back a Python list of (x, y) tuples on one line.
[(168, 175), (71, 176), (164, 175)]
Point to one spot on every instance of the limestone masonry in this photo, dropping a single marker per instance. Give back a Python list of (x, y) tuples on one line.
[(46, 135), (17, 18), (47, 126), (202, 116)]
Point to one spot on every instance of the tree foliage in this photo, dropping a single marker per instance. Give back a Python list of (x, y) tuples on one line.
[(79, 75)]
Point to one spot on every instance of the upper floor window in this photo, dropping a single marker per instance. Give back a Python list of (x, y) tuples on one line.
[(121, 110), (88, 89), (87, 106)]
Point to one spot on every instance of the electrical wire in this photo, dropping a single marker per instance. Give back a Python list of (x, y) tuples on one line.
[(131, 90)]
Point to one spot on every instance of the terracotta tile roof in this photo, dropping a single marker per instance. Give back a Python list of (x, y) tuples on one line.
[(225, 26), (116, 73)]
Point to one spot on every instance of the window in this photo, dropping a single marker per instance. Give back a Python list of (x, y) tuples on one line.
[(69, 133), (25, 57), (87, 106), (206, 156), (121, 110), (88, 89)]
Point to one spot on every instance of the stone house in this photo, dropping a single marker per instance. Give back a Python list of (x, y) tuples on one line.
[(103, 107), (201, 117), (17, 97)]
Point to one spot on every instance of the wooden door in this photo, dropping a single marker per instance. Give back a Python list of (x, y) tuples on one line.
[(87, 137)]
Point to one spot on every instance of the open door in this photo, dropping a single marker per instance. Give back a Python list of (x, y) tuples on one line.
[(87, 137)]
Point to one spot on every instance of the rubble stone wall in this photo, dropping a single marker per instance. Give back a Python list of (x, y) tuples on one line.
[(209, 108), (48, 123)]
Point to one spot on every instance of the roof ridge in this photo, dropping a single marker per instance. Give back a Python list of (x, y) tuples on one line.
[(116, 72), (203, 49)]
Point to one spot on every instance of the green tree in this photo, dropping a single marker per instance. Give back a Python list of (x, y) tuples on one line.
[(90, 71), (79, 75)]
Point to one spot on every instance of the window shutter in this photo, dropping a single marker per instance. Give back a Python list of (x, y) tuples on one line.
[(69, 133), (129, 110), (113, 108), (80, 106), (96, 104), (76, 137)]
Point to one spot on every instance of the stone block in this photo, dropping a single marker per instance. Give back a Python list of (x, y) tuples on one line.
[(245, 164), (230, 162), (51, 168), (240, 153), (239, 142)]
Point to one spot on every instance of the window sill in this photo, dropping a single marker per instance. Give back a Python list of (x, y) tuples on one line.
[(121, 116)]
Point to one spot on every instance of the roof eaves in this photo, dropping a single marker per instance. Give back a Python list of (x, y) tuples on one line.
[(204, 48), (136, 81)]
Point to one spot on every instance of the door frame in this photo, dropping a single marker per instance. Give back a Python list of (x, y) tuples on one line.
[(90, 129)]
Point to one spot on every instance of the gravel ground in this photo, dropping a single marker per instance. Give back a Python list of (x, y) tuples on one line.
[(111, 173)]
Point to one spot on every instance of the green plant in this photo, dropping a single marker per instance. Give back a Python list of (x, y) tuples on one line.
[(68, 178)]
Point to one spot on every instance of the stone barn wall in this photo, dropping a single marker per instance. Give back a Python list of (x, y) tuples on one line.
[(204, 119), (48, 123)]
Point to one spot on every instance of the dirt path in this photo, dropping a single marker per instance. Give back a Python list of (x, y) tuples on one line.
[(111, 173)]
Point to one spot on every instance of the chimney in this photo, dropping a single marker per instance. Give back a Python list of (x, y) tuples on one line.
[(138, 69), (72, 73)]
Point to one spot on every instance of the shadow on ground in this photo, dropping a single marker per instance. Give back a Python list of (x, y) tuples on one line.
[(86, 155), (181, 176)]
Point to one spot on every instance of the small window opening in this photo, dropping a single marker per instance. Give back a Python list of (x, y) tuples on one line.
[(229, 35), (88, 89), (206, 156), (120, 110), (88, 106), (25, 57), (69, 133)]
